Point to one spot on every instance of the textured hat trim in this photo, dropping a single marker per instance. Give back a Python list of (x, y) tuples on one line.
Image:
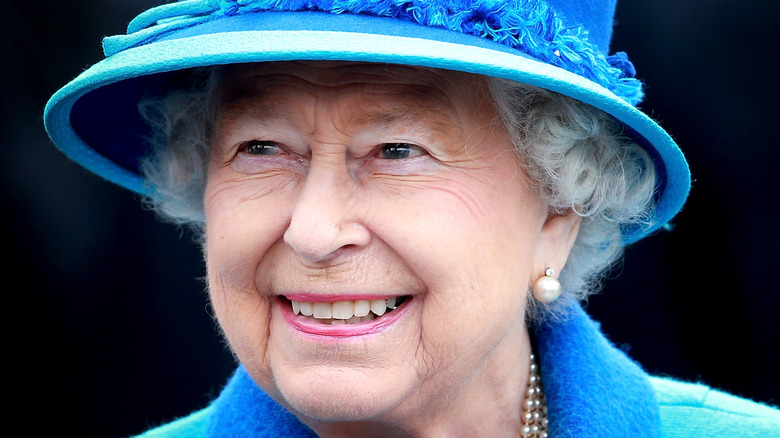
[(529, 26)]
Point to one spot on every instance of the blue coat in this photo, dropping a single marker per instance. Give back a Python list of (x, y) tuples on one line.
[(592, 389)]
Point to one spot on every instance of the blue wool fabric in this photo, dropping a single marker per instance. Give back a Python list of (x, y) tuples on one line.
[(593, 390), (534, 27), (584, 377)]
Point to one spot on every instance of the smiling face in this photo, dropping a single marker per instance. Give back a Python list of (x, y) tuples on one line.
[(334, 188)]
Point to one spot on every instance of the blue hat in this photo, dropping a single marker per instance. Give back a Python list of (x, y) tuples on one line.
[(560, 45)]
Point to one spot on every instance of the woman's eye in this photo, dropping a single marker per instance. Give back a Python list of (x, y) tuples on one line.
[(261, 147), (399, 151)]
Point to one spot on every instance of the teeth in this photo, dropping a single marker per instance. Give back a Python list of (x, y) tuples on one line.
[(342, 310), (323, 310), (345, 311), (379, 307), (362, 308)]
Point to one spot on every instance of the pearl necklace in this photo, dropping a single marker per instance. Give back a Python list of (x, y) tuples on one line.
[(534, 406)]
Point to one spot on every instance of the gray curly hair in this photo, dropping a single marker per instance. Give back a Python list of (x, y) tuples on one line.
[(576, 156)]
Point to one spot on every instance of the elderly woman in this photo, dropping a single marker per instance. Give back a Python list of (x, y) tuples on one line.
[(401, 204)]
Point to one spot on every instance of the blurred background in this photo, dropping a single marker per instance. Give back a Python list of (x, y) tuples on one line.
[(108, 326)]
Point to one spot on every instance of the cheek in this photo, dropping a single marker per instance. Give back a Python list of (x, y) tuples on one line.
[(477, 243), (239, 232), (240, 227), (466, 238), (477, 224), (475, 264)]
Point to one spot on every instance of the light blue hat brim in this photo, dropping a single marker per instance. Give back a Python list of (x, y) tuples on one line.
[(117, 81)]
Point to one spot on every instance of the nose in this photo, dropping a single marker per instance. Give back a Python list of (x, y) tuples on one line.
[(325, 219)]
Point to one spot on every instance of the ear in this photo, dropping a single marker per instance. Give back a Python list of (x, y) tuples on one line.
[(555, 241)]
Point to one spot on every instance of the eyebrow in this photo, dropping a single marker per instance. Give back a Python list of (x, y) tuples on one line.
[(416, 113), (254, 107)]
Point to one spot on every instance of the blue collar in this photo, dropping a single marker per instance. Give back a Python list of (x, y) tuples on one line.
[(593, 390)]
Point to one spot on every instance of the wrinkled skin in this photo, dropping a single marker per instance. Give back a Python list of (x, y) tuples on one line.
[(336, 179)]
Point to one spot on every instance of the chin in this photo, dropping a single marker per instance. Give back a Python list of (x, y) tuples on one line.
[(339, 395)]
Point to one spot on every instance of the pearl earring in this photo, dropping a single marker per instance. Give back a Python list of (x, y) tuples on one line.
[(547, 288)]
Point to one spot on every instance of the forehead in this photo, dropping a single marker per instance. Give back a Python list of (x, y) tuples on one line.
[(339, 74), (378, 88)]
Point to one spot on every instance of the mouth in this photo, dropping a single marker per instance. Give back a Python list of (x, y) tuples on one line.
[(346, 311)]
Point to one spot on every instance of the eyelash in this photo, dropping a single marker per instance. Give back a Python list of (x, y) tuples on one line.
[(408, 150)]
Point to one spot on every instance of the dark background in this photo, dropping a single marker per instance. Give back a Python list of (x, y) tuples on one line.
[(108, 329)]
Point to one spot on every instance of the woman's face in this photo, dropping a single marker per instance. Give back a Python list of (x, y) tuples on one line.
[(335, 185)]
